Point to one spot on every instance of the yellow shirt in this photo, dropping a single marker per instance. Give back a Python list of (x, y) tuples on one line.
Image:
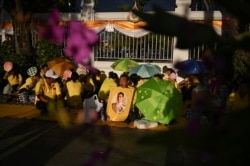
[(235, 102), (74, 93), (51, 92), (28, 83), (107, 84), (165, 76), (89, 85), (140, 82), (74, 88), (15, 80), (100, 78), (42, 73)]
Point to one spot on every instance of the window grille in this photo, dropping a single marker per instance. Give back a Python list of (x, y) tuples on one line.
[(197, 52), (149, 48), (34, 38)]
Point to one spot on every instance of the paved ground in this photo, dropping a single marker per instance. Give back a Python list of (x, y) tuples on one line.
[(39, 142)]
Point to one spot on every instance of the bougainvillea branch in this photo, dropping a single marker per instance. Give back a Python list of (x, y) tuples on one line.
[(77, 38)]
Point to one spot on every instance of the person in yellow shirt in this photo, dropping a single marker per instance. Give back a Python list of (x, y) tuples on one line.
[(108, 83), (87, 81), (165, 71), (89, 85), (14, 79), (172, 78), (98, 80), (28, 88), (238, 100), (48, 94), (74, 90), (43, 70), (125, 82), (103, 93)]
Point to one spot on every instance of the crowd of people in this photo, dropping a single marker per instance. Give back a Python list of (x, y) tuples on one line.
[(50, 92)]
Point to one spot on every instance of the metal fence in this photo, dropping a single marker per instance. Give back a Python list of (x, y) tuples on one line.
[(197, 52), (149, 48)]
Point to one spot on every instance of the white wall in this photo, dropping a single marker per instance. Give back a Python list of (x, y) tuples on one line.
[(182, 10)]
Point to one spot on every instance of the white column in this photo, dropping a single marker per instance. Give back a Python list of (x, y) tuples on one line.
[(182, 10), (2, 35)]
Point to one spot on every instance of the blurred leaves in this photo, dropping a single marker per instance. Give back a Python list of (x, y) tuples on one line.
[(237, 8), (43, 52), (242, 62), (46, 51), (22, 60), (226, 137), (77, 38), (189, 34)]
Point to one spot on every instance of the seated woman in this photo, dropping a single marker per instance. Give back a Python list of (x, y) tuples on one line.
[(74, 90), (14, 81), (28, 88), (48, 94)]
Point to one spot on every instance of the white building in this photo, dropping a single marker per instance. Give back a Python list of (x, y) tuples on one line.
[(118, 41)]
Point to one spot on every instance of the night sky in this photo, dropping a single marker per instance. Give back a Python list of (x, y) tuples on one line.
[(112, 5)]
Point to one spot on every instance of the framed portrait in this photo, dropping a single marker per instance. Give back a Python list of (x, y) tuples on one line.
[(119, 103)]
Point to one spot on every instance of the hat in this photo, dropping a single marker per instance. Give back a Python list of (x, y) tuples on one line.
[(8, 66), (81, 70), (32, 71), (51, 74)]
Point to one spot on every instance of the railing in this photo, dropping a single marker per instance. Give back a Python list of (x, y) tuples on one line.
[(150, 48)]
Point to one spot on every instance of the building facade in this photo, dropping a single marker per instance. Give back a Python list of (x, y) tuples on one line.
[(121, 36)]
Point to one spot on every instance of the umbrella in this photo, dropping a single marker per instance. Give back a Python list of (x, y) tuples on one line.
[(159, 100), (124, 64), (8, 66), (145, 70), (57, 60), (191, 67), (59, 68)]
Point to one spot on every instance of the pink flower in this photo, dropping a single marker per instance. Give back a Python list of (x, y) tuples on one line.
[(77, 48), (79, 38), (92, 69), (80, 41), (87, 34), (53, 33), (87, 63), (54, 17)]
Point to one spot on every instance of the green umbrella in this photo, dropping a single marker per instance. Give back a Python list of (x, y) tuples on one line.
[(159, 100), (145, 70), (124, 64)]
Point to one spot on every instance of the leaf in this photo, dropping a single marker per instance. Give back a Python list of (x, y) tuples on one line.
[(188, 33)]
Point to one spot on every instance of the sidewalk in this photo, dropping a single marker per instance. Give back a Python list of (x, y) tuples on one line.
[(44, 143), (18, 111), (30, 112), (30, 139)]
